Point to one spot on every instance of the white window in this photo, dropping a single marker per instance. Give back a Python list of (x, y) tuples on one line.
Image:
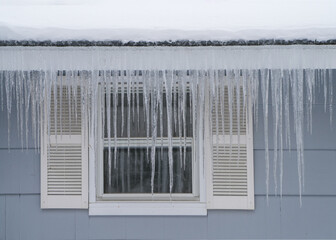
[(126, 170), (207, 171)]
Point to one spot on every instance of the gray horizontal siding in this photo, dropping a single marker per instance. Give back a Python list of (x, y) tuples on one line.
[(19, 172), (280, 219), (22, 218)]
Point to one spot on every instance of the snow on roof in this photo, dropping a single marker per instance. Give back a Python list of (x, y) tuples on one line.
[(153, 20)]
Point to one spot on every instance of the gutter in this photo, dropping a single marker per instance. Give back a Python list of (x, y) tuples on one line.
[(179, 43)]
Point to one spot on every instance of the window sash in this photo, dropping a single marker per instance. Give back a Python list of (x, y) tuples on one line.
[(142, 142)]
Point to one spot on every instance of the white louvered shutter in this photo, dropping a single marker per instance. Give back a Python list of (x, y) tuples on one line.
[(230, 183), (64, 159)]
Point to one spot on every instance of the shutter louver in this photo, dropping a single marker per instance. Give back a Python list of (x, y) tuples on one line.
[(64, 155), (230, 169)]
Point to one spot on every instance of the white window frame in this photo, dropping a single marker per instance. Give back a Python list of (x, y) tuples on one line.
[(184, 204)]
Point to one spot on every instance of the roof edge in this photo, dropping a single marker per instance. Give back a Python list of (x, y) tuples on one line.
[(178, 43)]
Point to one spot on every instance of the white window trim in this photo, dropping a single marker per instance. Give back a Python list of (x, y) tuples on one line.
[(186, 208), (191, 208), (100, 208)]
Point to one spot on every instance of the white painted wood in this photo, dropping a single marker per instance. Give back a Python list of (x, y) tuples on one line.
[(229, 168), (148, 208), (64, 167)]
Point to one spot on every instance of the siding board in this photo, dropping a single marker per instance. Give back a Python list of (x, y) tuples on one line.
[(263, 222), (31, 217), (138, 229), (82, 224), (13, 221), (108, 227), (2, 217), (320, 179), (315, 219), (19, 171)]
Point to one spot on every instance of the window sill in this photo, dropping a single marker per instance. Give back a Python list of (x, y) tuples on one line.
[(147, 209)]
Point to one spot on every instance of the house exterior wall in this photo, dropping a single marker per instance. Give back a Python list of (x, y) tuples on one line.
[(22, 218)]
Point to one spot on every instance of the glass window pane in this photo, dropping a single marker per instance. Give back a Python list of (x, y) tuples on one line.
[(139, 119), (133, 171)]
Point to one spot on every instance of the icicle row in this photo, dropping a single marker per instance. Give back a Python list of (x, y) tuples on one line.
[(165, 95)]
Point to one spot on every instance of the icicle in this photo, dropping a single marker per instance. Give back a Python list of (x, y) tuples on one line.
[(179, 112), (128, 98), (286, 87), (61, 102), (203, 86), (9, 86), (68, 93), (2, 80), (18, 106), (195, 96), (215, 98), (184, 117), (244, 86), (325, 87), (280, 102), (115, 118), (264, 88), (160, 109), (253, 76), (230, 99), (169, 81), (107, 86), (275, 88), (237, 79), (54, 86), (146, 100), (175, 102), (221, 88), (133, 96), (137, 98), (154, 106), (309, 74), (122, 87), (128, 76), (32, 96), (28, 89), (330, 96), (297, 94), (161, 106)]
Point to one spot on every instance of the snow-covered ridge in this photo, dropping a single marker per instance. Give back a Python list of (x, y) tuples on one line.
[(150, 20)]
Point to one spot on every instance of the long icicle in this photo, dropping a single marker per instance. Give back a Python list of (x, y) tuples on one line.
[(264, 89)]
